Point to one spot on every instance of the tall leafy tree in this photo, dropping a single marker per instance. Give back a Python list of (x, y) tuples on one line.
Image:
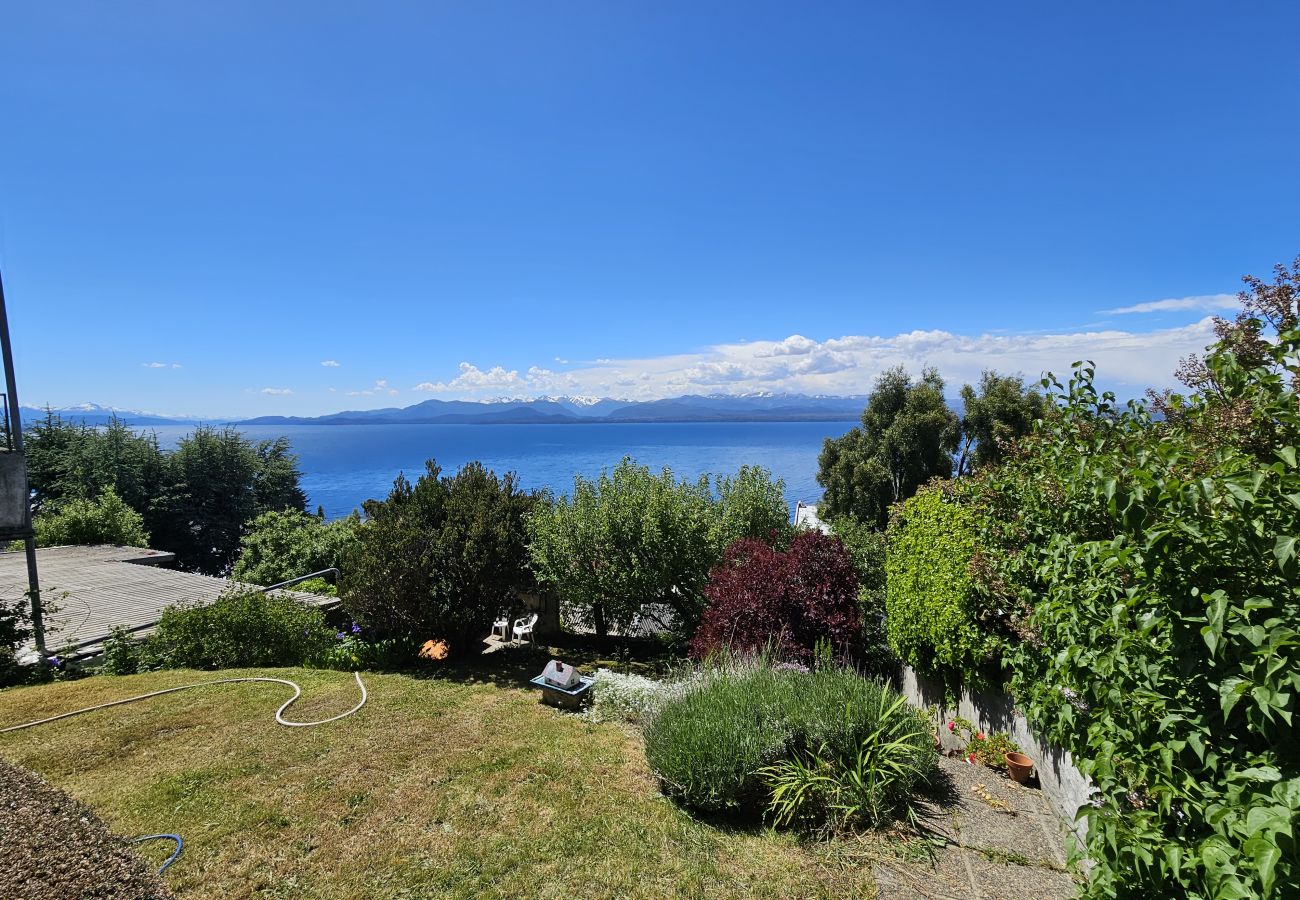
[(1000, 412), (72, 461), (632, 539), (907, 436)]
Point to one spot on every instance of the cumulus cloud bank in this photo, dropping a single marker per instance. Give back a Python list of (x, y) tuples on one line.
[(847, 365)]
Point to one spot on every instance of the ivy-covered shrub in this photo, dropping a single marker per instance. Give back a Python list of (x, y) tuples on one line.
[(933, 614), (241, 628), (789, 600), (1152, 562), (711, 745)]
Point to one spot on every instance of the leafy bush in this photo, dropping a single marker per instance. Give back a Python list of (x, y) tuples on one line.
[(123, 654), (710, 745), (241, 628), (933, 615), (633, 538), (353, 651), (626, 698), (104, 520), (14, 632), (287, 544), (1152, 565), (795, 598), (867, 546), (440, 559)]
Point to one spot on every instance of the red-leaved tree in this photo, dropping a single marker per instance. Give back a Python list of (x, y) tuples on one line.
[(792, 599)]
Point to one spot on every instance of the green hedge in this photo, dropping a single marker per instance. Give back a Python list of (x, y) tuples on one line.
[(931, 605)]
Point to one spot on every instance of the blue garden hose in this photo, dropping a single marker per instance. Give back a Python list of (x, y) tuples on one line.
[(158, 837)]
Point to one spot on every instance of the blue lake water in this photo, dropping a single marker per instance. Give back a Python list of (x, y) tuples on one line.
[(345, 464)]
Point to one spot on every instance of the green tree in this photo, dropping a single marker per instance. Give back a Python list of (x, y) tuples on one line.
[(104, 520), (440, 558), (867, 548), (195, 500), (282, 545), (907, 436), (215, 482), (70, 461), (632, 538), (1002, 411)]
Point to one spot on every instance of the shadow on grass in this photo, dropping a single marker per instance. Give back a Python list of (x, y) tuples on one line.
[(513, 666)]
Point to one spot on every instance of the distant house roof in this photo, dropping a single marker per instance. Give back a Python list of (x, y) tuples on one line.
[(805, 516), (92, 590)]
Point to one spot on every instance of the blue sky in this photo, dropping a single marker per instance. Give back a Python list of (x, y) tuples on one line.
[(202, 204)]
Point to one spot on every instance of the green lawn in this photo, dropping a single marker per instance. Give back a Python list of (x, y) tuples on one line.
[(437, 788)]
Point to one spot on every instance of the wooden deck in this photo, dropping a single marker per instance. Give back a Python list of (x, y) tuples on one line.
[(87, 591)]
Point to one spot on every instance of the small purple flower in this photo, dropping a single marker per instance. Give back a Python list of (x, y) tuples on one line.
[(54, 661), (340, 635), (356, 629)]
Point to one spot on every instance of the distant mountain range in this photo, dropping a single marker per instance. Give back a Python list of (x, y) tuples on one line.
[(578, 410), (94, 414), (543, 410)]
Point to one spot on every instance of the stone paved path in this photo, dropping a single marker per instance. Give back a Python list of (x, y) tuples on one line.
[(1003, 843)]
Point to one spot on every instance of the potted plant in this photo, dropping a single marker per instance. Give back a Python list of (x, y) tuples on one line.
[(1019, 766)]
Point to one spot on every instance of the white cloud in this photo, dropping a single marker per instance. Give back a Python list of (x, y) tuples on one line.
[(277, 392), (849, 365), (330, 363), (160, 365), (1200, 303), (379, 387)]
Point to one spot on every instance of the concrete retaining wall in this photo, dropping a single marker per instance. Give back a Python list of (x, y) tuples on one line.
[(1062, 784)]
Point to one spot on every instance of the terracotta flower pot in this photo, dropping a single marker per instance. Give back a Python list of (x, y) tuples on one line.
[(1018, 766)]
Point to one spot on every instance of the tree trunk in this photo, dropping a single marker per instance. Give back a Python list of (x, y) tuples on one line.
[(598, 619)]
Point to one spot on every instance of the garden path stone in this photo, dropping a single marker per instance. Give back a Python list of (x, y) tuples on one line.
[(1004, 843)]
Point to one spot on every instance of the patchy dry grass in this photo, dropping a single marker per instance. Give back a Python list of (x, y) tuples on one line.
[(437, 788)]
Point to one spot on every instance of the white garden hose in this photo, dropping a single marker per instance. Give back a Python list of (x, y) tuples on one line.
[(279, 713)]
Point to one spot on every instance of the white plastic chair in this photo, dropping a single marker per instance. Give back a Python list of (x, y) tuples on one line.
[(524, 628), (501, 627)]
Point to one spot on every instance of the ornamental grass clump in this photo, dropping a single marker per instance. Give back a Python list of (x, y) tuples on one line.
[(719, 745)]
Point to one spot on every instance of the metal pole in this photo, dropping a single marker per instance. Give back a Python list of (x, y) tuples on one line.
[(16, 430)]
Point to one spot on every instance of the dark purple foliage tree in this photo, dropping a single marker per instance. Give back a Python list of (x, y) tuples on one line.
[(790, 598)]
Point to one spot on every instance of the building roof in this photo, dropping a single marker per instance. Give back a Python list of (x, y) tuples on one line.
[(88, 591), (805, 516)]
